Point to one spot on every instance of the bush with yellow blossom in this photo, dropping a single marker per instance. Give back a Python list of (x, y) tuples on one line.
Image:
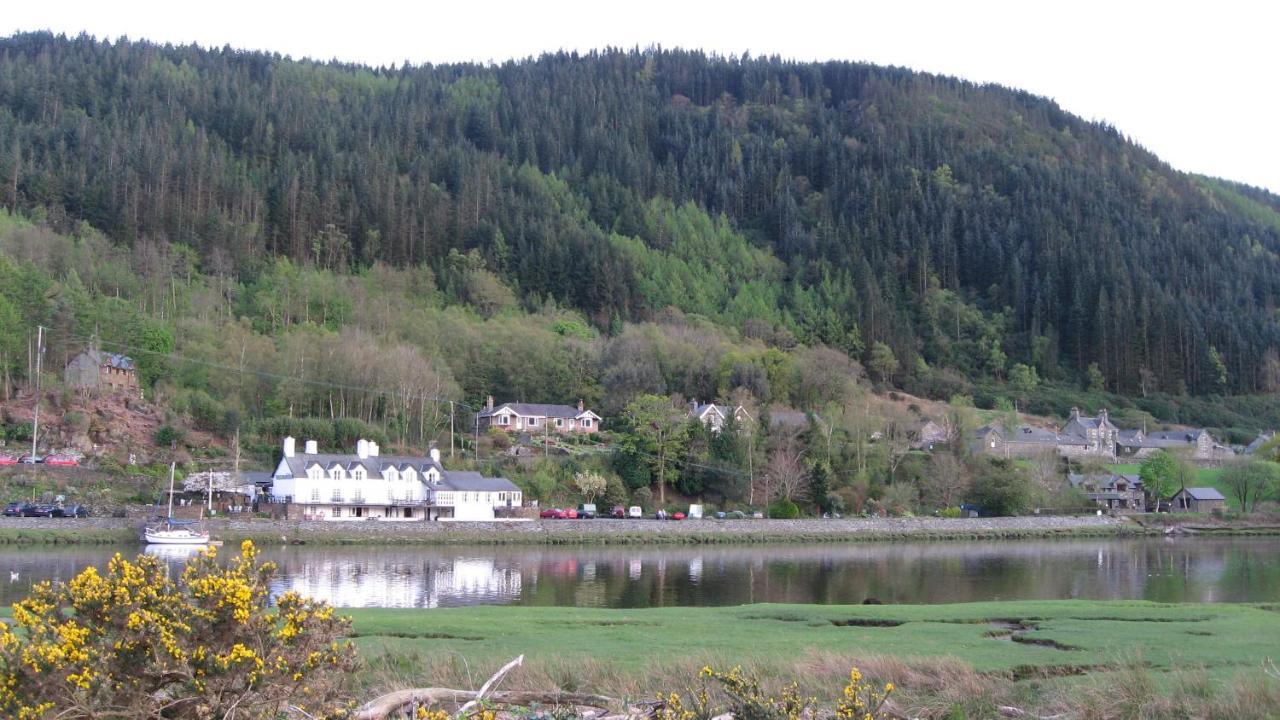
[(132, 643), (746, 699)]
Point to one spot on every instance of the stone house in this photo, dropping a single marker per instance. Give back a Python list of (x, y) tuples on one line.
[(94, 369), (1024, 441), (538, 418), (1113, 491), (1085, 436), (929, 434), (1262, 439), (1198, 445), (1199, 500)]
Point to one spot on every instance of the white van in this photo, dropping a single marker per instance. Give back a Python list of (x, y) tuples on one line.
[(635, 512)]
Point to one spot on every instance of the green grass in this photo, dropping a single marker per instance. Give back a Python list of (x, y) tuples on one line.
[(1205, 477), (773, 638)]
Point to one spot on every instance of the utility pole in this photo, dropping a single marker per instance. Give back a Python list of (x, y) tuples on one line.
[(546, 437), (35, 422), (450, 429)]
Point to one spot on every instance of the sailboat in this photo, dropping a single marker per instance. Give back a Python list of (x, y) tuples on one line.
[(175, 532)]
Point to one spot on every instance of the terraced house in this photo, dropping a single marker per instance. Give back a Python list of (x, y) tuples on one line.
[(367, 485)]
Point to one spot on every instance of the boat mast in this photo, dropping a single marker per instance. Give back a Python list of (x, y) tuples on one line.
[(171, 466)]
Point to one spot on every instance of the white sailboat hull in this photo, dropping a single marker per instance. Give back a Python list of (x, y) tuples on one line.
[(178, 536)]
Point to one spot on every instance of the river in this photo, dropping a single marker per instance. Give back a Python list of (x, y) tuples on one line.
[(1164, 570)]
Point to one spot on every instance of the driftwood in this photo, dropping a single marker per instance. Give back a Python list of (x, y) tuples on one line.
[(1013, 712), (387, 705)]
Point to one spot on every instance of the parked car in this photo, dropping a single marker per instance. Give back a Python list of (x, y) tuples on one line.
[(13, 509), (570, 514), (618, 512), (635, 512), (38, 510), (552, 514), (70, 511), (587, 511), (29, 459), (677, 515), (7, 459), (61, 460)]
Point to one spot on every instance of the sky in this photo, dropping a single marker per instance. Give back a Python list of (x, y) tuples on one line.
[(1195, 83)]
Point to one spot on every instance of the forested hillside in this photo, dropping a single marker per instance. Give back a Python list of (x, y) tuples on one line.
[(965, 228)]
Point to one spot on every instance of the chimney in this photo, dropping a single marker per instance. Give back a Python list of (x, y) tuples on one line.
[(435, 455), (489, 404), (1075, 413), (362, 448), (1102, 415), (312, 448), (373, 448), (288, 446), (581, 406)]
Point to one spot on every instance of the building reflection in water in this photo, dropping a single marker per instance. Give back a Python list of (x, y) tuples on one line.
[(1187, 569)]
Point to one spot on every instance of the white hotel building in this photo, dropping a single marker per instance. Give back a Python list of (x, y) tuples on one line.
[(365, 485)]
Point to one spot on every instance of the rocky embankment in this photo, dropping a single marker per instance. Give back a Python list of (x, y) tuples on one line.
[(372, 532)]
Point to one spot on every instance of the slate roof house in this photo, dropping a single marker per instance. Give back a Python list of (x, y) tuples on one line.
[(1262, 439), (1198, 500), (1122, 492), (537, 418), (1097, 433), (929, 434), (715, 416), (1195, 444), (1024, 441), (94, 369), (366, 484)]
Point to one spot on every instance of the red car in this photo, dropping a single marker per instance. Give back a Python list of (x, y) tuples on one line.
[(61, 460), (677, 516), (571, 514), (8, 460), (552, 514)]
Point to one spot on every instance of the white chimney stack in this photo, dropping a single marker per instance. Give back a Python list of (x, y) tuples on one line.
[(435, 454), (288, 446), (373, 449), (362, 448), (312, 448)]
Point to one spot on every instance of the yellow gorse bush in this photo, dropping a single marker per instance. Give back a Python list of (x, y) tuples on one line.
[(744, 696), (133, 643)]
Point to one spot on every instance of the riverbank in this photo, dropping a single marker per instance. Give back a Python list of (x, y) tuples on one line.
[(1039, 654), (619, 532)]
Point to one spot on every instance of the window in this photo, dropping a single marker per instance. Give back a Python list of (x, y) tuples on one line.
[(315, 494), (314, 472), (533, 422), (392, 474), (504, 419), (358, 497), (586, 422), (410, 475), (357, 474), (559, 422), (335, 473)]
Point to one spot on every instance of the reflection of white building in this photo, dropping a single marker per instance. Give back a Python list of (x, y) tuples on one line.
[(440, 583), (368, 485)]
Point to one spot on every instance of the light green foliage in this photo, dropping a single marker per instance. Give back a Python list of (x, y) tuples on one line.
[(1250, 481), (882, 362), (1000, 487), (1024, 379), (1163, 474), (590, 484)]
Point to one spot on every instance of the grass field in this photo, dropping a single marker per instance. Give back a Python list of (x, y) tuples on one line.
[(1035, 653)]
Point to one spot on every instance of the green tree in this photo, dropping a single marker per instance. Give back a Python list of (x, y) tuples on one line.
[(1250, 481), (1024, 380), (658, 429), (1097, 383), (1163, 473), (590, 484), (882, 362), (1000, 487)]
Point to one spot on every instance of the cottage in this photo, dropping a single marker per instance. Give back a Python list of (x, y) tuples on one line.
[(1262, 439), (94, 369), (367, 484), (1023, 441), (928, 434), (1198, 500), (1197, 445), (715, 416), (1112, 491), (538, 418)]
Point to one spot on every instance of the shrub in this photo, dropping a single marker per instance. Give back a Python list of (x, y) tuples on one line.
[(133, 643), (742, 696), (951, 512), (784, 509), (169, 436)]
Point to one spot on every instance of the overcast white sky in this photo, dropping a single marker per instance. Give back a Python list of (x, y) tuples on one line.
[(1197, 83)]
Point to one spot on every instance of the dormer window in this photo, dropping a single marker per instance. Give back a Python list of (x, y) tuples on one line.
[(392, 474), (335, 473), (357, 474), (410, 475), (314, 472)]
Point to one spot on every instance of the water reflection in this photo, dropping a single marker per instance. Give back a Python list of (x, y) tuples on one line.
[(1223, 570)]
